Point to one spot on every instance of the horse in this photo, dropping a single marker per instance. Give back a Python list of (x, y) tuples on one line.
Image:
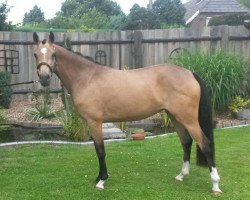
[(103, 94)]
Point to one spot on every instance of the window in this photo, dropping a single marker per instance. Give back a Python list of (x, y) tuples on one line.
[(100, 57), (9, 60)]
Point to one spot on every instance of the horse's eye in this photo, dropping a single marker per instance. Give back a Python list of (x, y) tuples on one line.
[(35, 55)]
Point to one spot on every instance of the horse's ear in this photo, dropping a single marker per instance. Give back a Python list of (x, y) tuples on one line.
[(51, 37), (35, 37)]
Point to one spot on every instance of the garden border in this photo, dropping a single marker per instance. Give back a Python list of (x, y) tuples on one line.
[(10, 144)]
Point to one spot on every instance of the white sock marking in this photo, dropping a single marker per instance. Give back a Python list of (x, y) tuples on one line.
[(215, 180), (100, 184), (184, 171)]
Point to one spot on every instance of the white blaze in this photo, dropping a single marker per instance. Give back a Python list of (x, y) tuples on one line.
[(44, 51)]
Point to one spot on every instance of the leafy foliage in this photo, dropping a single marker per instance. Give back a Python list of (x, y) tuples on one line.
[(2, 117), (76, 8), (169, 11), (141, 18), (223, 73), (117, 22), (90, 15), (239, 103), (34, 16), (5, 90), (4, 10)]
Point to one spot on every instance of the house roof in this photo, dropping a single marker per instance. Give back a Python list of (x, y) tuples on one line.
[(195, 7)]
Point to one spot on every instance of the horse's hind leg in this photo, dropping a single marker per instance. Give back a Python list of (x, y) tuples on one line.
[(189, 119), (186, 142), (207, 149)]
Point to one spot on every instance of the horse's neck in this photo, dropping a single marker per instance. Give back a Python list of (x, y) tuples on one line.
[(71, 68)]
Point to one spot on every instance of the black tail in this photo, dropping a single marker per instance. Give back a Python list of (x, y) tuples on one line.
[(205, 121)]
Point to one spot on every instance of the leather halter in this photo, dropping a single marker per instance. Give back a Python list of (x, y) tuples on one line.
[(44, 63)]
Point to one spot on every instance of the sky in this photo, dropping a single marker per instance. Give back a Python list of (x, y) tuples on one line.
[(50, 7)]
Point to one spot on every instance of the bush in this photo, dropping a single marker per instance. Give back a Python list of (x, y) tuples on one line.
[(2, 117), (239, 103), (229, 19), (223, 73), (5, 91)]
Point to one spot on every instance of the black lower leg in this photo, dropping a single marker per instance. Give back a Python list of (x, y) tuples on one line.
[(100, 151), (187, 149)]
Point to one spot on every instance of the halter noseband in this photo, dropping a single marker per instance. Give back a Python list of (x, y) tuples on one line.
[(44, 63)]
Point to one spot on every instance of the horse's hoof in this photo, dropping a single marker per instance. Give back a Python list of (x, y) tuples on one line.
[(179, 178), (100, 185), (217, 192)]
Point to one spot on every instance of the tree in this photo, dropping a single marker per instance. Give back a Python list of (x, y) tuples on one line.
[(77, 8), (169, 11), (4, 10), (34, 16), (117, 22), (141, 18)]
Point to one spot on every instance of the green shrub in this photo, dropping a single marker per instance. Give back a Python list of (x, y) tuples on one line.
[(2, 117), (239, 103), (223, 73), (229, 19), (5, 91)]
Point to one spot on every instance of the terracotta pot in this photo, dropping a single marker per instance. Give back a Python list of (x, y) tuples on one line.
[(138, 136)]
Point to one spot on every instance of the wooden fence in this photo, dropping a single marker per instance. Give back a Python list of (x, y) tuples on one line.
[(119, 48)]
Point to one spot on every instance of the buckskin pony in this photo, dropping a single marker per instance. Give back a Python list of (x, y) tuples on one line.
[(102, 94)]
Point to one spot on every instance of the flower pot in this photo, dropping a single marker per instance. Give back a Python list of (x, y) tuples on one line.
[(138, 136)]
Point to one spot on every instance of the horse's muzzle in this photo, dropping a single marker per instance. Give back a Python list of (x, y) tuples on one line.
[(44, 74), (45, 80)]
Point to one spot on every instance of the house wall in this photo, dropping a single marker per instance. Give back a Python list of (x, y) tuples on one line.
[(201, 19)]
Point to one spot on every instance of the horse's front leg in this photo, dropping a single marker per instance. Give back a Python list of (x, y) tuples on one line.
[(96, 132)]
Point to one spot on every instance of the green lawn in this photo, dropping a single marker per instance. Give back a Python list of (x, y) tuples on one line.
[(138, 170)]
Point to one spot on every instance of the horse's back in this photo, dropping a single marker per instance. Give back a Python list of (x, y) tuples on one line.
[(136, 94)]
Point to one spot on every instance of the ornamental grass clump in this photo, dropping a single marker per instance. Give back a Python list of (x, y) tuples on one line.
[(223, 73), (74, 127), (42, 109)]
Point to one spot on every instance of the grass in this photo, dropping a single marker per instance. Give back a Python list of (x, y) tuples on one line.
[(138, 170)]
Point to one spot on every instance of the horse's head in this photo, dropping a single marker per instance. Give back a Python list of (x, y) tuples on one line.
[(44, 53)]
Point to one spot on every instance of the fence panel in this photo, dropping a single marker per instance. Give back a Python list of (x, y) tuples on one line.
[(126, 48)]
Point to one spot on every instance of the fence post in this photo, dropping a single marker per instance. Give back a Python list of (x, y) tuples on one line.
[(225, 37), (138, 48)]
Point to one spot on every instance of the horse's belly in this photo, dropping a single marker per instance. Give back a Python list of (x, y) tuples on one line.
[(134, 109)]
